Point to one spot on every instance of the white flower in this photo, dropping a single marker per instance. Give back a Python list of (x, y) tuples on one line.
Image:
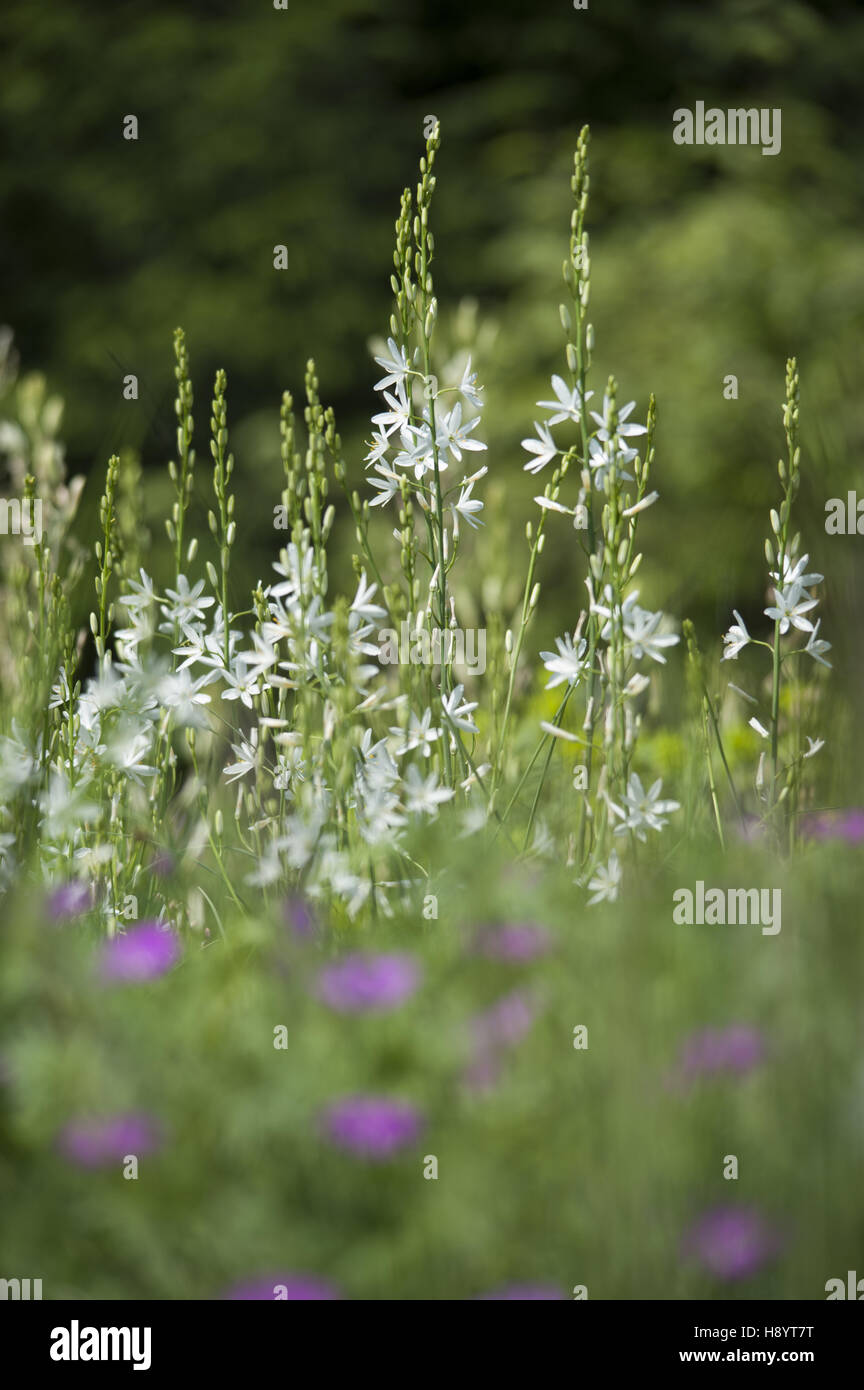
[(418, 735), (241, 684), (568, 665), (187, 605), (269, 868), (606, 881), (127, 750), (468, 389), (378, 447), (759, 728), (422, 794), (467, 505), (790, 607), (246, 752), (65, 809), (622, 429), (261, 658), (568, 403), (396, 366), (642, 810), (452, 434), (181, 694), (814, 744), (544, 448), (457, 712), (290, 768), (602, 457), (142, 595), (362, 606), (399, 413), (547, 505), (815, 646), (418, 450), (736, 638), (639, 626), (794, 574), (387, 483)]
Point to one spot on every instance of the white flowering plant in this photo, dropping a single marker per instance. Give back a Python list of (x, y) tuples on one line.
[(265, 744), (244, 837)]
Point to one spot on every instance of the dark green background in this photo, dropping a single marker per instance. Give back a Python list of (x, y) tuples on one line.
[(301, 127)]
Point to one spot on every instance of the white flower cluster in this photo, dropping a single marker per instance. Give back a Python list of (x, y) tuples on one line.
[(429, 436)]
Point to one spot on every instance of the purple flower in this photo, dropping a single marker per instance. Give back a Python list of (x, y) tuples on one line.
[(751, 829), (299, 917), (363, 984), (283, 1287), (374, 1127), (163, 863), (514, 943), (496, 1029), (483, 1072), (505, 1023), (715, 1051), (842, 825), (69, 900), (731, 1242), (93, 1143), (143, 953), (524, 1293)]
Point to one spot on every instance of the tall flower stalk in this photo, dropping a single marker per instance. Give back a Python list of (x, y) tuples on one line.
[(794, 634)]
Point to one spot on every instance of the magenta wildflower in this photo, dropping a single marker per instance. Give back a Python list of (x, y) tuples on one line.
[(143, 953), (363, 984), (835, 825), (500, 1027), (721, 1051), (299, 917), (515, 943), (731, 1242), (283, 1288), (92, 1142), (373, 1127), (70, 899), (506, 1022)]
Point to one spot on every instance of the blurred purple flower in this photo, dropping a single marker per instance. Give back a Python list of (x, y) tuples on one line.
[(163, 863), (750, 828), (71, 899), (299, 917), (731, 1242), (95, 1142), (524, 1293), (497, 1028), (298, 1287), (374, 1127), (715, 1051), (143, 953), (506, 1022), (516, 942), (362, 984), (834, 825), (483, 1072)]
